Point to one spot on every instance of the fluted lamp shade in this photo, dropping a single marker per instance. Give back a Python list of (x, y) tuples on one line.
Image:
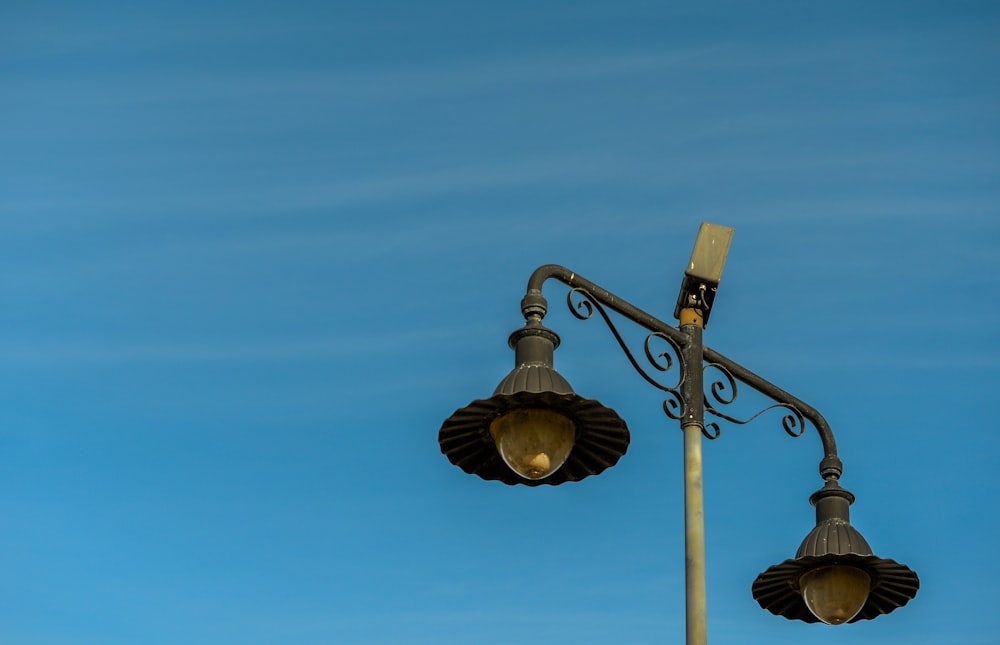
[(534, 429), (835, 578)]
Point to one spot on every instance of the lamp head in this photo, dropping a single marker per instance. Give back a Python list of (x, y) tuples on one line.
[(834, 578), (704, 272), (534, 429)]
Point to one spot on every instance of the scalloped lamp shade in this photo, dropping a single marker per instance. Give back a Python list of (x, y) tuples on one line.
[(534, 429), (834, 578)]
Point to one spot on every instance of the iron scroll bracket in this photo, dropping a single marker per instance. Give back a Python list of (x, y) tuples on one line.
[(586, 297)]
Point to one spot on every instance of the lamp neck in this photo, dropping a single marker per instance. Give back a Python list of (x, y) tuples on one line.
[(534, 344), (832, 503)]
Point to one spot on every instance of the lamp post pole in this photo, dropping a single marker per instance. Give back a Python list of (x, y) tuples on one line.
[(693, 425), (536, 430)]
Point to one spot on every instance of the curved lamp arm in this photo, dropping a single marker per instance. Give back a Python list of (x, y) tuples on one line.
[(534, 307)]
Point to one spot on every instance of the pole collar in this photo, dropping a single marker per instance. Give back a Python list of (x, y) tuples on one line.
[(692, 316)]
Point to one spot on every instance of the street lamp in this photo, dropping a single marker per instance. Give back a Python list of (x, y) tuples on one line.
[(536, 430)]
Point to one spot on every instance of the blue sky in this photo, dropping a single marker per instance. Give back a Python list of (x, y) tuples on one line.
[(253, 254)]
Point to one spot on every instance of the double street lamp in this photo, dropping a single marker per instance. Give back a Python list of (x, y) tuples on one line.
[(536, 430)]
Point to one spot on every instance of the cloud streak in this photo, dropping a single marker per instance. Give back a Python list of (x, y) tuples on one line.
[(115, 351)]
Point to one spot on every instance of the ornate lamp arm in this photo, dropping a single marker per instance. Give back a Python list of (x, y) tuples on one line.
[(830, 467), (535, 419), (534, 307)]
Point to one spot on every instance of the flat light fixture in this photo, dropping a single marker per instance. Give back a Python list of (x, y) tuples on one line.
[(704, 271)]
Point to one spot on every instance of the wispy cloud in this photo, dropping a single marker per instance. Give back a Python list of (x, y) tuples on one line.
[(289, 199), (159, 351), (362, 84)]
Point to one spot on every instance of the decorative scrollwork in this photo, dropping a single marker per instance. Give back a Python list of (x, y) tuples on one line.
[(673, 406), (724, 392), (666, 357), (583, 309)]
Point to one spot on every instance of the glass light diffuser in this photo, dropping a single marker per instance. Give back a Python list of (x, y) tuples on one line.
[(836, 593), (533, 442)]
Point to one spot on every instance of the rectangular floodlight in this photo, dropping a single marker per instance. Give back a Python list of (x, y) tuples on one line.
[(709, 254)]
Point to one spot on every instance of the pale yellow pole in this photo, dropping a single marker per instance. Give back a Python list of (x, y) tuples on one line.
[(692, 424), (694, 538)]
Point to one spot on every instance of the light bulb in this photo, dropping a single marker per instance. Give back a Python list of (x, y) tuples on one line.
[(835, 594), (533, 442)]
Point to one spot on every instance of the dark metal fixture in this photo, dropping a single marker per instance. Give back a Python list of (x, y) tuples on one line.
[(834, 577), (536, 430), (534, 396)]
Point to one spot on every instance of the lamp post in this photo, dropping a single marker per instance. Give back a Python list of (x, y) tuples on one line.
[(536, 430)]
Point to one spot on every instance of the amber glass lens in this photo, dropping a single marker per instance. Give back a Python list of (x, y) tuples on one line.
[(835, 594), (533, 442)]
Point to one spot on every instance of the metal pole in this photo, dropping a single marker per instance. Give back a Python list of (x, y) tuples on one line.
[(694, 538), (692, 424)]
